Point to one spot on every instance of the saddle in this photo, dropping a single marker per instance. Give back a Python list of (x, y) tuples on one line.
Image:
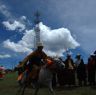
[(32, 75), (35, 72)]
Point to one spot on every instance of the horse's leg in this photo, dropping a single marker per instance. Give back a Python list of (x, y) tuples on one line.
[(37, 88), (36, 91), (51, 88), (24, 86), (23, 89), (19, 90)]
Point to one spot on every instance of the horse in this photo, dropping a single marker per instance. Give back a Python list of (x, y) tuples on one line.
[(45, 76)]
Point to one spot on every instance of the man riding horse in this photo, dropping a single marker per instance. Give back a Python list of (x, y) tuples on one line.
[(38, 72), (33, 61)]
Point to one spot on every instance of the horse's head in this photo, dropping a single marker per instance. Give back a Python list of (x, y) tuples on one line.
[(59, 63), (54, 63)]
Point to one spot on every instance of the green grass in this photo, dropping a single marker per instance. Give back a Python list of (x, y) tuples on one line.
[(9, 86)]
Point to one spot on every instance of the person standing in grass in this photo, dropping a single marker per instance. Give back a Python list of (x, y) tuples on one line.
[(70, 70), (91, 69), (80, 70)]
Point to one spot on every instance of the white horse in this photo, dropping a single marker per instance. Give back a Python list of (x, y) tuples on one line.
[(45, 76)]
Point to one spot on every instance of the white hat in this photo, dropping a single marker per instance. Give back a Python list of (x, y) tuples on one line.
[(78, 54), (92, 54), (69, 53), (39, 44)]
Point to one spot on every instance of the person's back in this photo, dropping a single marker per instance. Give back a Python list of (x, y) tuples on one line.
[(70, 70), (91, 70), (81, 70), (69, 64)]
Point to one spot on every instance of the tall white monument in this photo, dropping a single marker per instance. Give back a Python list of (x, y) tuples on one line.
[(37, 29)]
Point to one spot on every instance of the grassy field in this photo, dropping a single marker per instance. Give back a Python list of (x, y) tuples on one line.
[(9, 86)]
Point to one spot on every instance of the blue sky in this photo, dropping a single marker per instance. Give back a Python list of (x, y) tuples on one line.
[(60, 18)]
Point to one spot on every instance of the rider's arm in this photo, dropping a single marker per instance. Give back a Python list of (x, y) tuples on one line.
[(25, 60), (44, 56)]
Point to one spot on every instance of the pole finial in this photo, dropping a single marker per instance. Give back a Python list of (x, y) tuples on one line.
[(37, 17)]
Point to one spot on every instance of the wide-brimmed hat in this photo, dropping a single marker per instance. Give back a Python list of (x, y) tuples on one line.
[(92, 54), (69, 54)]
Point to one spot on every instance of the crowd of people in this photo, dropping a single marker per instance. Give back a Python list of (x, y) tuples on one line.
[(77, 73), (74, 73)]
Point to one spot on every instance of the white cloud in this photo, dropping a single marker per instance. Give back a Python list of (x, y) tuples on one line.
[(24, 45), (80, 17), (55, 41), (4, 56), (4, 11), (17, 47), (23, 18), (14, 25)]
